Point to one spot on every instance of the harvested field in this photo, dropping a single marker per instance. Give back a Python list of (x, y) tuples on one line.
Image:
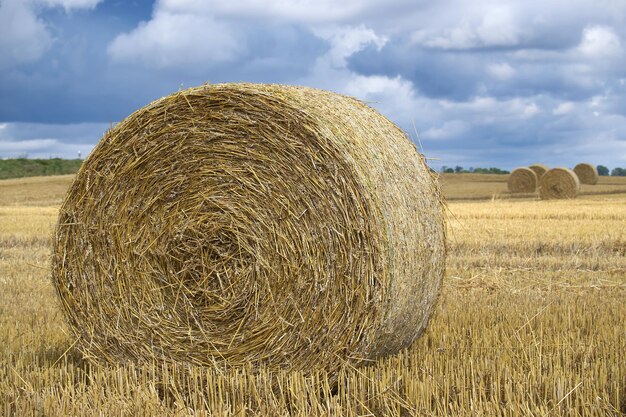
[(493, 186), (35, 191), (530, 322)]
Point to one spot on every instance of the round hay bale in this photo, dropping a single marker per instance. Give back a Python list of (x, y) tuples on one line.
[(522, 180), (559, 183), (245, 224), (539, 170), (587, 173)]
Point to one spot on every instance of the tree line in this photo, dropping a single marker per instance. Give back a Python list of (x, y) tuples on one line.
[(615, 172), (602, 170), (460, 170), (22, 167)]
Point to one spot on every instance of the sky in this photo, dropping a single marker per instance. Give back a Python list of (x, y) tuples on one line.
[(474, 83)]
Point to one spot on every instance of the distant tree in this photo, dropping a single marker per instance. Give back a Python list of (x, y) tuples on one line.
[(618, 172), (460, 170), (602, 170), (491, 170)]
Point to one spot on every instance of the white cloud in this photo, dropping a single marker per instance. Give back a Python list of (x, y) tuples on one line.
[(371, 87), (395, 97), (41, 140), (217, 31), (449, 129), (501, 71), (603, 147), (174, 40), (25, 37), (530, 110), (599, 41), (329, 70), (498, 28), (70, 4), (597, 101), (486, 26), (476, 104), (346, 41), (27, 145), (490, 110), (497, 100), (563, 108), (302, 11)]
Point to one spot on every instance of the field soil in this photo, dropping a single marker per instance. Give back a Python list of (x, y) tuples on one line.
[(530, 322)]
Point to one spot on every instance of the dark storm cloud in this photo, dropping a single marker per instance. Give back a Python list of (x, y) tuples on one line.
[(435, 74), (77, 81), (461, 75)]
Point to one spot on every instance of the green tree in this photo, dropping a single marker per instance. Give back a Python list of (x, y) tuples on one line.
[(602, 170), (618, 172)]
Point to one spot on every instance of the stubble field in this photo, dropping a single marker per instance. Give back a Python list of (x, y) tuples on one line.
[(531, 321)]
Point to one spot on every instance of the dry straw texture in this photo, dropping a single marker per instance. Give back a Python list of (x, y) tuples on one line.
[(587, 173), (522, 180), (539, 170), (264, 225), (559, 183)]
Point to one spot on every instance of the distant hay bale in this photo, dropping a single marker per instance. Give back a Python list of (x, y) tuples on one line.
[(539, 170), (587, 173), (559, 183), (522, 180), (244, 224)]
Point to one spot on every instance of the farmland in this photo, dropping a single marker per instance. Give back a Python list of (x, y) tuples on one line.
[(530, 322)]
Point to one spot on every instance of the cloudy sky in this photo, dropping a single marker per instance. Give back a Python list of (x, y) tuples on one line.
[(480, 83)]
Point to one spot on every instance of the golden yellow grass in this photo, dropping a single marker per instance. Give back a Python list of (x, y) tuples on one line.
[(34, 191), (50, 191), (530, 322)]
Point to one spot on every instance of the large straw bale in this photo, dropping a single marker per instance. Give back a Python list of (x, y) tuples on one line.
[(250, 224), (559, 183), (539, 170), (522, 180), (587, 173)]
